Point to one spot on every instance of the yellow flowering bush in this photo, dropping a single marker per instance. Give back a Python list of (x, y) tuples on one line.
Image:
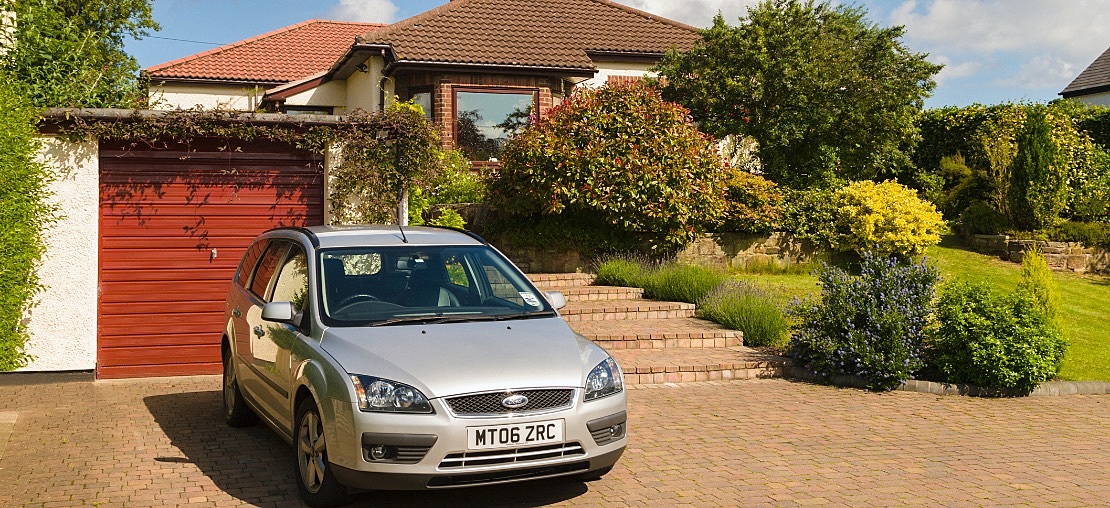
[(887, 218)]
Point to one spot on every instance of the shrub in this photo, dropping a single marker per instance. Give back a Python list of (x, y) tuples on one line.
[(24, 214), (753, 204), (887, 218), (871, 326), (993, 340), (1038, 283), (749, 309), (1090, 234), (982, 219), (678, 282), (456, 184), (810, 215), (620, 153), (1037, 192)]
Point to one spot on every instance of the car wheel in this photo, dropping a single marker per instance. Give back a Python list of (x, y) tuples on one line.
[(315, 479), (236, 411), (593, 475)]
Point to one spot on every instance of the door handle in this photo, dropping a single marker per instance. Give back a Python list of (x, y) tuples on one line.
[(258, 331), (237, 313)]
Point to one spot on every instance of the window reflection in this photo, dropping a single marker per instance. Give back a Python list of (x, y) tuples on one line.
[(485, 120)]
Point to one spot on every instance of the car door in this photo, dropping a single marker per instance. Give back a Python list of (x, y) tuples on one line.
[(254, 381), (240, 301), (273, 360)]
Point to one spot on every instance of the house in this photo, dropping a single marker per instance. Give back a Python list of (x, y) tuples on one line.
[(236, 76), (1092, 86), (478, 67), (137, 269)]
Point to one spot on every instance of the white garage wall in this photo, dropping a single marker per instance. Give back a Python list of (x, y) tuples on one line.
[(62, 325)]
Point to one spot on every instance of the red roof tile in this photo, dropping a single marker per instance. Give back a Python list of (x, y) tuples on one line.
[(540, 33), (280, 56)]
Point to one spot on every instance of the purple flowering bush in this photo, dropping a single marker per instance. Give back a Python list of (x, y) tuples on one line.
[(871, 326)]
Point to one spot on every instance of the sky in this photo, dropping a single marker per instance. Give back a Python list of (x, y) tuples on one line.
[(993, 51)]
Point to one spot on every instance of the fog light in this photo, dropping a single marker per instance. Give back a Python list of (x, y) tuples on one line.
[(617, 430), (379, 452)]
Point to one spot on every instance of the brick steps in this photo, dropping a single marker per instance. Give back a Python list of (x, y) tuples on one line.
[(657, 342), (686, 365), (620, 310), (659, 334)]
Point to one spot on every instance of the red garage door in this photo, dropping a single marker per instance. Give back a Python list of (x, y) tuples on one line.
[(174, 222)]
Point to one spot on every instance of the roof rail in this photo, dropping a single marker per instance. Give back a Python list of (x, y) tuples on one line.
[(460, 230)]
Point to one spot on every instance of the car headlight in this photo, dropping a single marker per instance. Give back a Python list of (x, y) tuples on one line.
[(604, 380), (377, 394)]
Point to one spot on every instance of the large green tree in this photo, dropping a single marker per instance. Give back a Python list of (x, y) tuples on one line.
[(825, 92), (70, 52)]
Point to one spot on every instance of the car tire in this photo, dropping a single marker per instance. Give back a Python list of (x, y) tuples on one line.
[(593, 475), (315, 480), (236, 411)]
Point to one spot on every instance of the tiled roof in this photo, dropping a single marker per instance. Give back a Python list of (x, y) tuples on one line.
[(280, 56), (538, 33), (1093, 79)]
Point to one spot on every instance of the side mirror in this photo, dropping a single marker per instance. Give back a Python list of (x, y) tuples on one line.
[(556, 299), (281, 312)]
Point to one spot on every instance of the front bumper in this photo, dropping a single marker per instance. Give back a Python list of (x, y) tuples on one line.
[(430, 451)]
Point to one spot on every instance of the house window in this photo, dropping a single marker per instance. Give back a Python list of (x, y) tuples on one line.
[(485, 118), (424, 100)]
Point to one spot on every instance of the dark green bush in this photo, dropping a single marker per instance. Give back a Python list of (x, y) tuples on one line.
[(747, 308), (810, 215), (871, 326), (24, 214), (621, 154), (1090, 234), (993, 340), (1038, 177), (982, 219)]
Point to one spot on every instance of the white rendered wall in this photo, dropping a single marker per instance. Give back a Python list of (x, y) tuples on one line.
[(364, 88), (332, 94), (179, 96), (606, 69), (1098, 99), (62, 325)]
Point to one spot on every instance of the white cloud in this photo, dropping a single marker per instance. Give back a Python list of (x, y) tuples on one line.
[(698, 13), (1032, 43), (364, 11)]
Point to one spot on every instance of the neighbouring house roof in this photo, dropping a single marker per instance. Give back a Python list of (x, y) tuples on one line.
[(1094, 79), (281, 56), (559, 34)]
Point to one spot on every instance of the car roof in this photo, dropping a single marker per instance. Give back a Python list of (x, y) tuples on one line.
[(377, 235)]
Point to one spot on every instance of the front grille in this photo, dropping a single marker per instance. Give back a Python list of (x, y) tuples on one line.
[(508, 476), (410, 454), (489, 404), (511, 456)]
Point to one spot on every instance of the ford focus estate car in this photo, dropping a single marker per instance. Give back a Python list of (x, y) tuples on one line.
[(412, 358)]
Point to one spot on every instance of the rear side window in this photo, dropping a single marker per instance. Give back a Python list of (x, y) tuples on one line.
[(266, 267), (246, 266)]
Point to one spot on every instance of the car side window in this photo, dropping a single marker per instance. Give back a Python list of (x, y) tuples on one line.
[(266, 267), (246, 266), (292, 280)]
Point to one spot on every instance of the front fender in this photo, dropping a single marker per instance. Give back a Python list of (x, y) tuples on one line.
[(334, 396)]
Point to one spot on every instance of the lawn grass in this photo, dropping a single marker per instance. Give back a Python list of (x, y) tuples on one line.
[(1084, 310)]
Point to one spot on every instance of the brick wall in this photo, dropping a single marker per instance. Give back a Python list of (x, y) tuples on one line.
[(1060, 256)]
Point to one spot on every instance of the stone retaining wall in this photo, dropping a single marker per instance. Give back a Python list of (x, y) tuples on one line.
[(1059, 255)]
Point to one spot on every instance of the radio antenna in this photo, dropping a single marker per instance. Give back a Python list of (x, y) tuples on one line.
[(403, 238)]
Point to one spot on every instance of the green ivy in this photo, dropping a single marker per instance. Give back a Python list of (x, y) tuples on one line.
[(24, 214), (379, 152)]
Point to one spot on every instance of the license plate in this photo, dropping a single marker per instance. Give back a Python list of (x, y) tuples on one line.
[(519, 434)]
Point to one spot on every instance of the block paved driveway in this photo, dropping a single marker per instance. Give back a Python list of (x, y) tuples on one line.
[(745, 443)]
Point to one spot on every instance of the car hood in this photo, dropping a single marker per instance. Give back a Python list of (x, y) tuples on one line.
[(446, 359)]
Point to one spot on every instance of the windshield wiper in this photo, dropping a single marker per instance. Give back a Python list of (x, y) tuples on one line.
[(524, 315), (427, 319)]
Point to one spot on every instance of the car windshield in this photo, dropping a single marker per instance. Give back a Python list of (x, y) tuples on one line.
[(402, 284)]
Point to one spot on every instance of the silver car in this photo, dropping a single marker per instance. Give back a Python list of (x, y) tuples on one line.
[(413, 358)]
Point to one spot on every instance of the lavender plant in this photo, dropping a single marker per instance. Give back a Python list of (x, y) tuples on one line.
[(871, 326)]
